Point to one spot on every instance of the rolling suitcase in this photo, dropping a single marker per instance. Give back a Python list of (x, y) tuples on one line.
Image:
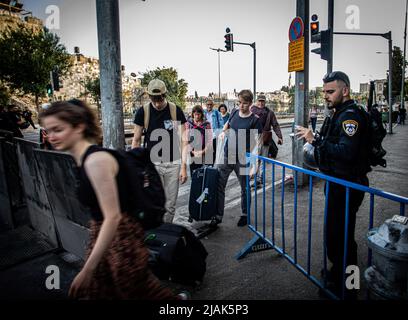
[(176, 254), (203, 194)]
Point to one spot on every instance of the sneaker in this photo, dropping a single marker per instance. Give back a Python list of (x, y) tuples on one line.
[(242, 221), (184, 295), (258, 183)]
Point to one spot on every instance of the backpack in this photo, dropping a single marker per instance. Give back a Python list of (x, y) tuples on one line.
[(376, 133), (146, 109), (146, 119), (146, 198), (176, 254)]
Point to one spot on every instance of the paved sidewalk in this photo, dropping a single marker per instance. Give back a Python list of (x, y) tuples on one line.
[(264, 275)]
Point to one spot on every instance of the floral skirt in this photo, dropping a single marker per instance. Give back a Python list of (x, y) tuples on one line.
[(123, 271)]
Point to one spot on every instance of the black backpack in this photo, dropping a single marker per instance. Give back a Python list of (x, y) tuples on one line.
[(376, 133), (176, 254), (146, 197)]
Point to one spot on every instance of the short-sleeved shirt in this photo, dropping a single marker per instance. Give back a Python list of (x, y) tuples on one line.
[(160, 121), (251, 128)]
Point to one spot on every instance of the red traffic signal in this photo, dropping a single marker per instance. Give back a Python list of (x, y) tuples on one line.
[(314, 27)]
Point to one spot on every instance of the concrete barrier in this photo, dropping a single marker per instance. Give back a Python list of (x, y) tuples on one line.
[(41, 216), (58, 173)]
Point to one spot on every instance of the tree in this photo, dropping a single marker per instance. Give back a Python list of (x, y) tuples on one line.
[(93, 88), (397, 64), (27, 57), (176, 88)]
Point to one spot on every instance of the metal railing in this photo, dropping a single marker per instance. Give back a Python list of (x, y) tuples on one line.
[(263, 241)]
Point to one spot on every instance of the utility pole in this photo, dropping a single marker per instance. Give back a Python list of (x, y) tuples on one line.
[(301, 89), (390, 83), (219, 71), (330, 27), (403, 62), (107, 14)]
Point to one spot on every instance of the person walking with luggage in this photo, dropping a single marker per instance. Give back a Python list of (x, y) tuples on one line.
[(200, 139), (313, 117), (224, 113), (342, 151), (164, 137), (247, 129), (214, 117), (267, 119), (116, 266)]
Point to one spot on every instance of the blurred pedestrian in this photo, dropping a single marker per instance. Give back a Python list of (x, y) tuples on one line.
[(402, 115), (116, 266), (267, 119), (214, 117), (313, 113), (200, 138), (247, 130), (158, 120), (224, 113), (11, 121)]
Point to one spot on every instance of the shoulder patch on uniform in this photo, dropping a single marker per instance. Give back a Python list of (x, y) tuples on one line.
[(350, 127)]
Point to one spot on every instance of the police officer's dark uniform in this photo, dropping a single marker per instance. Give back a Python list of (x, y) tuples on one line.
[(341, 151)]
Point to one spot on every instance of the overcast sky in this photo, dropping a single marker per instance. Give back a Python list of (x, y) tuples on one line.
[(178, 33)]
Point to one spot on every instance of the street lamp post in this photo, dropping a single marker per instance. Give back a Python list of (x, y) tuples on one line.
[(219, 71)]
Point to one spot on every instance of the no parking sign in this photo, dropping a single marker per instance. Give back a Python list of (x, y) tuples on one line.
[(296, 45)]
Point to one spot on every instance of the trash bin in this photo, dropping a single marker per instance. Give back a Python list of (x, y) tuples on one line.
[(387, 278)]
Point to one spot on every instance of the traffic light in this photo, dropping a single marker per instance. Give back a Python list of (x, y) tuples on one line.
[(322, 37), (49, 90), (55, 81), (314, 31), (229, 42)]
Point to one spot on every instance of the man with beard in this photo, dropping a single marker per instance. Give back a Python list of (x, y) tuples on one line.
[(341, 152)]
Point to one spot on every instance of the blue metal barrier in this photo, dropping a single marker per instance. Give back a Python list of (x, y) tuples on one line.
[(261, 241)]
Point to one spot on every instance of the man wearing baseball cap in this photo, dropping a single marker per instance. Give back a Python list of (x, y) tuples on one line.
[(268, 119), (162, 123)]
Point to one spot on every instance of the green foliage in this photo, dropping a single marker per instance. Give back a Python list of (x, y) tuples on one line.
[(27, 57), (176, 88), (93, 87), (397, 64)]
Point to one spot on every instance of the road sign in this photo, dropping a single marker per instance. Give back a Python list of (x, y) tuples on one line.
[(296, 55), (296, 29)]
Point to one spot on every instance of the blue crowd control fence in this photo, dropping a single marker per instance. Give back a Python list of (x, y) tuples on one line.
[(297, 241)]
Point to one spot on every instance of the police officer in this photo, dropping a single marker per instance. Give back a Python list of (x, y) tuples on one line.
[(341, 151)]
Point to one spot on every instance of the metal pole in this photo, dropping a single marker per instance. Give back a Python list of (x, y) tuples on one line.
[(253, 46), (390, 83), (219, 76), (52, 87), (107, 14), (301, 89), (403, 62), (331, 28)]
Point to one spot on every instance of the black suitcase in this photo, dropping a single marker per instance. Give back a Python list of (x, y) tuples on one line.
[(176, 254), (203, 194)]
